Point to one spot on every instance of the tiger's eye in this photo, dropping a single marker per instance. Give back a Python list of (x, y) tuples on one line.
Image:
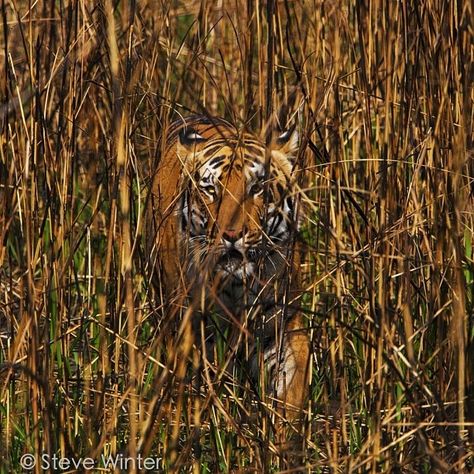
[(256, 188), (209, 190)]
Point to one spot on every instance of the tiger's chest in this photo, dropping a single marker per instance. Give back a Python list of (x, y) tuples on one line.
[(255, 305)]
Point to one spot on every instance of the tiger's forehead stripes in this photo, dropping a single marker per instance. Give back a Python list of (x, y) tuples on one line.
[(248, 166), (233, 146), (243, 158)]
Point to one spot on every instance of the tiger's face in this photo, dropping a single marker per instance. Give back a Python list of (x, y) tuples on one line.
[(238, 206)]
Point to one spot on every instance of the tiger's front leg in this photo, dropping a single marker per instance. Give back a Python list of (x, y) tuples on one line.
[(292, 388), (292, 375)]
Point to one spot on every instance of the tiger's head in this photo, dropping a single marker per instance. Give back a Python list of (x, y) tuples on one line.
[(238, 203)]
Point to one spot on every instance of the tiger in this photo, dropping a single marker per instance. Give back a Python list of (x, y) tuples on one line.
[(221, 218)]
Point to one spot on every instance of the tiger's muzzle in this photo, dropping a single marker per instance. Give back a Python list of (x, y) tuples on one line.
[(236, 256)]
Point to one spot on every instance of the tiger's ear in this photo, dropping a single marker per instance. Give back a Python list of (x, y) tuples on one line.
[(189, 140), (189, 136), (286, 142)]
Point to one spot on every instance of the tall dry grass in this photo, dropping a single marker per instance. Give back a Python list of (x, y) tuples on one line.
[(383, 93)]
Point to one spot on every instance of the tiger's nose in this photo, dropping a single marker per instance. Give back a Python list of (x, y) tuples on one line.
[(231, 235)]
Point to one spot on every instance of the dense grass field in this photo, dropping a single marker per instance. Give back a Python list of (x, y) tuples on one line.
[(382, 94)]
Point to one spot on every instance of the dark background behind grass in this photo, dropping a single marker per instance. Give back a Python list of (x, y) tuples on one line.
[(383, 94)]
